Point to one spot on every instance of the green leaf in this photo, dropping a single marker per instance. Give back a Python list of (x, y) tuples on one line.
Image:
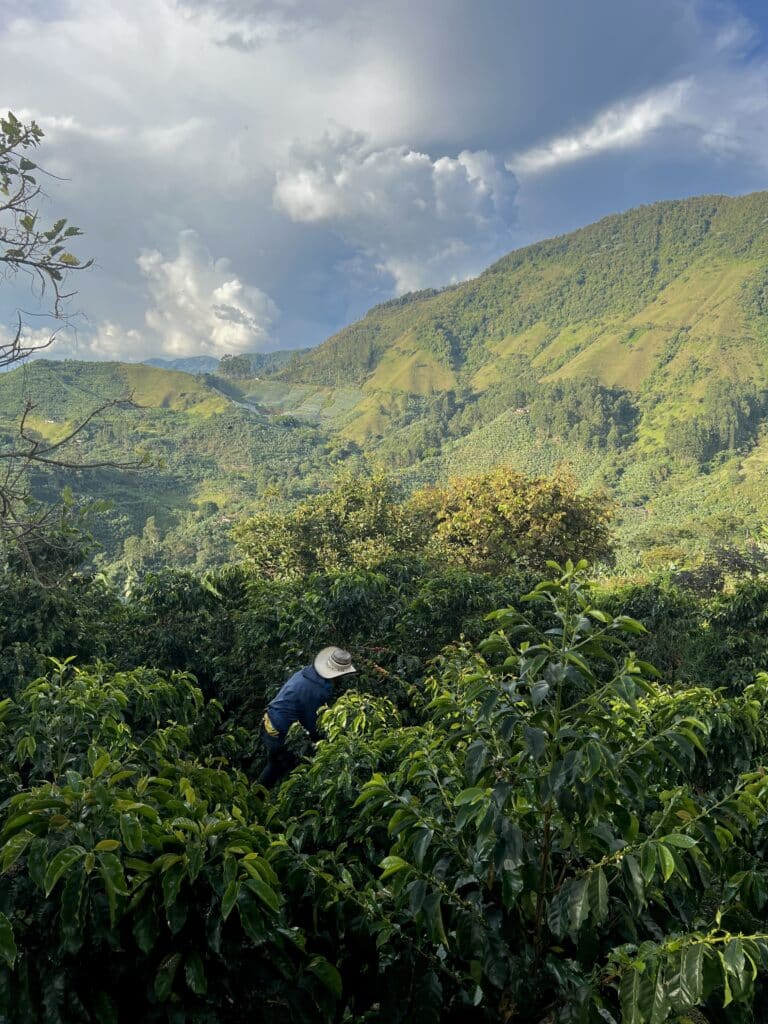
[(100, 765), (392, 865), (578, 903), (146, 928), (598, 895), (666, 862), (328, 975), (421, 844), (107, 846), (727, 994), (194, 972), (165, 976), (62, 862), (8, 949), (172, 880), (539, 691), (469, 796), (72, 907), (417, 890), (434, 918), (266, 894), (660, 1006), (105, 1009), (111, 871), (131, 831), (635, 878), (229, 899), (686, 980), (629, 625), (636, 994), (648, 862), (679, 840), (535, 741), (13, 849), (477, 754)]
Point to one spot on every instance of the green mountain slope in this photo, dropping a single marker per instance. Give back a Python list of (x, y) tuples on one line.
[(213, 454), (662, 301), (635, 350)]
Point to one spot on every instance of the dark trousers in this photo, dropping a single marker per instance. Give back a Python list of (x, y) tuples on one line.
[(280, 761)]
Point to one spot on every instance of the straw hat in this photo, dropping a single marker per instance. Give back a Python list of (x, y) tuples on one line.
[(332, 662)]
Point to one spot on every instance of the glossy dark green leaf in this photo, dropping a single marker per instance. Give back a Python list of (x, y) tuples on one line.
[(265, 893), (328, 975), (131, 831), (61, 863), (194, 972), (229, 899), (172, 879), (165, 976), (145, 926)]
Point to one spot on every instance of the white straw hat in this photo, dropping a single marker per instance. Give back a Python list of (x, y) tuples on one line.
[(332, 662)]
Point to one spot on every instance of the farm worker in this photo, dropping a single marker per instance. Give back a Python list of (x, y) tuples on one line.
[(299, 700)]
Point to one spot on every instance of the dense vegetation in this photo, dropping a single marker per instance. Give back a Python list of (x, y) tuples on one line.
[(535, 823), (526, 805), (632, 351)]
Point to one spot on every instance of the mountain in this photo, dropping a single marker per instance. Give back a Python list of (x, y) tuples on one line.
[(635, 350), (188, 364), (262, 363), (663, 301)]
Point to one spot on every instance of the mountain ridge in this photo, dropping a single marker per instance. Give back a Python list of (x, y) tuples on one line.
[(593, 302)]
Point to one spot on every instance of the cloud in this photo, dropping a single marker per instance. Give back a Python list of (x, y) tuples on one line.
[(200, 307), (423, 221), (620, 126), (197, 306), (716, 113), (163, 115)]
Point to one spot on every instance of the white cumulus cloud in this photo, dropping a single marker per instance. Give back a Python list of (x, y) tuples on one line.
[(424, 221), (200, 306)]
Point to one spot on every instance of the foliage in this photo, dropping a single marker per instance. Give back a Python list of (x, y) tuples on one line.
[(361, 521), (540, 829), (132, 841), (729, 418), (28, 527), (25, 245), (235, 366), (549, 827), (501, 520)]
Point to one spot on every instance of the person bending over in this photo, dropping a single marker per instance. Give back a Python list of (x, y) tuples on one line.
[(299, 700)]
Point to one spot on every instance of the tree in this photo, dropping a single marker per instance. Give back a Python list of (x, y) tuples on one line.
[(361, 522), (26, 246), (502, 520), (236, 366)]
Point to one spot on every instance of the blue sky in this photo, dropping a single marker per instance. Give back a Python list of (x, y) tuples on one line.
[(254, 174)]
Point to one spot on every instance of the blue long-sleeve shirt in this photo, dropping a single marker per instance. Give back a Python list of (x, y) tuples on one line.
[(299, 700)]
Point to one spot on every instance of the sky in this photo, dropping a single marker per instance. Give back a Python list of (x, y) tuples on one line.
[(252, 175)]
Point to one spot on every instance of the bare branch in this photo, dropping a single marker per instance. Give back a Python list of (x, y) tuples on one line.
[(29, 247)]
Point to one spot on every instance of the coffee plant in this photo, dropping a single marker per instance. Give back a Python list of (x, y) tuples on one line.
[(535, 826)]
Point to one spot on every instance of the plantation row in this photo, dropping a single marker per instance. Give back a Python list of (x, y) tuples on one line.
[(539, 829)]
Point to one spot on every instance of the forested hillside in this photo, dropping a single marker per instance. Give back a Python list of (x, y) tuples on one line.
[(635, 351)]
